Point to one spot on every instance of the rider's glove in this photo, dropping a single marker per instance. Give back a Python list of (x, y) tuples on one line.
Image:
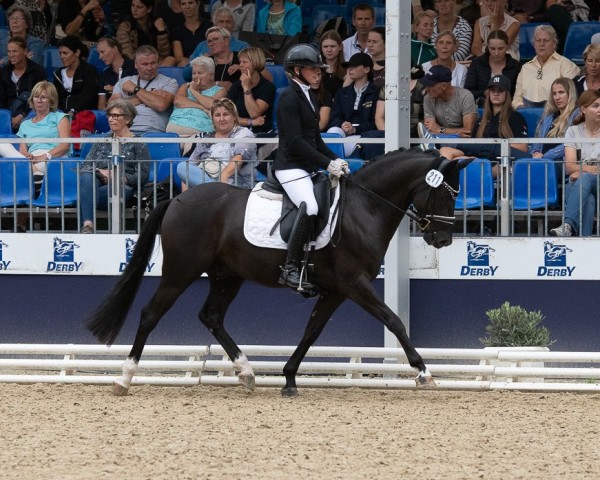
[(338, 167)]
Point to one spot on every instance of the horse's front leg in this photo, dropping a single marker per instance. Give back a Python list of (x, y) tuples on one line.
[(324, 308), (365, 295)]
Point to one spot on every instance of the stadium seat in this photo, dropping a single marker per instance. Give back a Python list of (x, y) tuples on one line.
[(5, 124), (101, 124), (94, 59), (307, 7), (476, 186), (275, 103), (534, 184), (86, 147), (59, 188), (321, 13), (51, 61), (173, 72), (532, 116), (280, 79), (161, 151), (167, 168), (15, 182), (337, 148), (526, 50), (379, 15), (579, 37)]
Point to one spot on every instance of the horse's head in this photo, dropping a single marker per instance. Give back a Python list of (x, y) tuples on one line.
[(434, 198)]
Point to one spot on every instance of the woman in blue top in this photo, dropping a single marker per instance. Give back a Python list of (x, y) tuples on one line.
[(280, 17)]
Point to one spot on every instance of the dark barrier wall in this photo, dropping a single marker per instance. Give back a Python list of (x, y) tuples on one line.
[(444, 313)]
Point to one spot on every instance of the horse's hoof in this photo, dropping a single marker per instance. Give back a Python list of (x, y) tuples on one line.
[(119, 390), (425, 381), (248, 381), (289, 392)]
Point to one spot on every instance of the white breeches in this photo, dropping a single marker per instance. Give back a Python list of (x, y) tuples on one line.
[(299, 187)]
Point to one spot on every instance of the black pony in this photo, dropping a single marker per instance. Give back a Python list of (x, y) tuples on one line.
[(202, 232)]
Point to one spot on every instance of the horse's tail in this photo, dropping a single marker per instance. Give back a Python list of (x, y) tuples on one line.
[(106, 322)]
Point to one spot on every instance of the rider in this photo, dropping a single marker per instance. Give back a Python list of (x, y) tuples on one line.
[(301, 152)]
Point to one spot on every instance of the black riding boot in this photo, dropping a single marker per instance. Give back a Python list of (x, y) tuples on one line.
[(290, 271)]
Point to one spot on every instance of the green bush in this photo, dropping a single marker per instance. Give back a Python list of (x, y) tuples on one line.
[(513, 326)]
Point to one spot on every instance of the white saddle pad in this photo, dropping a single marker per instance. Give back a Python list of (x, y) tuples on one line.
[(262, 212)]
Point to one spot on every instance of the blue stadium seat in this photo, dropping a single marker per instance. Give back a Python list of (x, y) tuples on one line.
[(379, 15), (526, 50), (101, 124), (275, 103), (51, 61), (532, 116), (161, 151), (307, 7), (534, 184), (280, 79), (322, 13), (173, 72), (337, 148), (476, 185), (15, 182), (5, 125), (579, 37), (94, 59), (167, 168), (59, 188), (86, 147)]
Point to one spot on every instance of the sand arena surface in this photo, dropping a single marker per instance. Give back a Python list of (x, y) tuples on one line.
[(84, 432)]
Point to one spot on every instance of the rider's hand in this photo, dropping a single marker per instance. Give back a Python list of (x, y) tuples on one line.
[(338, 167)]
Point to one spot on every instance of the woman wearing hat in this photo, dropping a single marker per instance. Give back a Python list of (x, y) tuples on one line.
[(499, 120), (301, 153)]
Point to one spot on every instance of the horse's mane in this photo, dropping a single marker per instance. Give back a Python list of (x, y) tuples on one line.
[(379, 164)]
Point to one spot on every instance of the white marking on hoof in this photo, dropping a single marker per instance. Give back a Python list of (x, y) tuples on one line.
[(246, 375), (122, 384), (425, 380)]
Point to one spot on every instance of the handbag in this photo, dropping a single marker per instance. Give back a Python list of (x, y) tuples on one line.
[(212, 167)]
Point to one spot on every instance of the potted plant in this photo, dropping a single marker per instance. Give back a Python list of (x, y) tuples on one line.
[(511, 327)]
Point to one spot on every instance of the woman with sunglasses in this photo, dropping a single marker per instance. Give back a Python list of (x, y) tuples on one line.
[(95, 173)]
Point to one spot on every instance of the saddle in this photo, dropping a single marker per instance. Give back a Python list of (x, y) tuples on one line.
[(289, 211)]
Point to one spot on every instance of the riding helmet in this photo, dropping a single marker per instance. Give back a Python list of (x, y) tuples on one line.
[(303, 55)]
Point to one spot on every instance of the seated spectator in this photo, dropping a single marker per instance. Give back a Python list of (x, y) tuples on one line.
[(82, 18), (170, 11), (77, 81), (495, 18), (445, 46), (231, 163), (499, 120), (581, 165), (417, 97), (494, 61), (150, 92), (447, 20), (354, 106), (227, 62), (446, 109), (117, 67), (95, 173), (253, 95), (376, 48), (193, 100), (244, 14), (279, 17), (421, 50), (42, 19), (143, 28), (591, 79), (186, 37), (332, 52), (17, 79), (558, 116), (536, 76), (19, 24), (363, 20), (325, 101)]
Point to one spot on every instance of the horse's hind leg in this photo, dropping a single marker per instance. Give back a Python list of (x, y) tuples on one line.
[(222, 292), (322, 311)]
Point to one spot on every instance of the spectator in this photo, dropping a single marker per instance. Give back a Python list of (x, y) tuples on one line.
[(279, 17), (417, 96), (423, 6), (231, 163), (421, 50), (186, 37), (499, 120), (117, 67), (17, 79), (536, 76), (591, 79), (376, 48), (42, 18), (447, 109), (19, 25), (354, 106), (558, 116), (227, 62), (253, 95), (222, 18), (332, 52), (95, 173), (244, 14), (494, 61), (445, 46), (324, 100), (447, 20), (77, 81), (193, 100), (171, 11), (143, 28), (495, 18), (581, 165), (82, 18), (150, 92), (363, 20)]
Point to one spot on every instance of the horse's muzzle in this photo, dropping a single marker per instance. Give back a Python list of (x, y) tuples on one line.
[(438, 239)]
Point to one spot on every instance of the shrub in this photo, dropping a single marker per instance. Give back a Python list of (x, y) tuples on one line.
[(513, 326)]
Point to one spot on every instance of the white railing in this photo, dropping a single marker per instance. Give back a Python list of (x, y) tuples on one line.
[(324, 367)]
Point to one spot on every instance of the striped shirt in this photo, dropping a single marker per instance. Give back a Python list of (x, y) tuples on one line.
[(463, 33)]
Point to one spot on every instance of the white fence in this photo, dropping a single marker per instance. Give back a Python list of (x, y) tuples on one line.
[(341, 367)]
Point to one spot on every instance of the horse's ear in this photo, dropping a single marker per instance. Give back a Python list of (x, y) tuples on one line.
[(446, 166)]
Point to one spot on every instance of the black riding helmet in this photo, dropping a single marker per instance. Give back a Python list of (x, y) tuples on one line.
[(302, 55)]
